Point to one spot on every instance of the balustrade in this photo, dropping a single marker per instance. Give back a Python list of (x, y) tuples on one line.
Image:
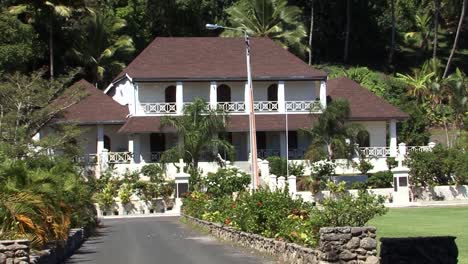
[(87, 159), (159, 108), (231, 107), (375, 152), (266, 106), (119, 157), (303, 106)]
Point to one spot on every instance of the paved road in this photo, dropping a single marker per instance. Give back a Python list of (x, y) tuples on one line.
[(158, 240)]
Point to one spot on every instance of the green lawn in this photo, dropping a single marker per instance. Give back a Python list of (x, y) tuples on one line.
[(404, 222)]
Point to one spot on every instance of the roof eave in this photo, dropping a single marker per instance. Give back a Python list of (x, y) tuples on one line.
[(217, 78)]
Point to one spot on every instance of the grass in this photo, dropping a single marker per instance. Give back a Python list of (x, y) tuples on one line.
[(443, 221)]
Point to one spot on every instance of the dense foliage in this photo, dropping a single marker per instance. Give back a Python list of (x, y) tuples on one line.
[(277, 215), (278, 167), (41, 198), (226, 181), (441, 166)]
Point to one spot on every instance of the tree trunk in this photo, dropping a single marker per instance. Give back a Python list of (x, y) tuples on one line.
[(457, 36), (392, 45), (311, 30), (348, 25), (51, 48), (436, 27)]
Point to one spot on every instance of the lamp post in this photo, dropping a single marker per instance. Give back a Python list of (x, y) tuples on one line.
[(253, 137)]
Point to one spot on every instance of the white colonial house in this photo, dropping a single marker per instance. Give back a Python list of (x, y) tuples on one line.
[(121, 125)]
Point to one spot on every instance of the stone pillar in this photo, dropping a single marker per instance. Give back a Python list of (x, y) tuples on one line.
[(281, 97), (272, 183), (100, 139), (179, 97), (401, 195), (393, 138), (281, 183), (213, 95), (247, 98), (323, 94), (283, 147), (292, 186)]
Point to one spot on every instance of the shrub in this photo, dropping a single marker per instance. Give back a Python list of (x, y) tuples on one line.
[(322, 169), (154, 171), (225, 182), (194, 204), (359, 185), (348, 210), (278, 165), (381, 179), (429, 168), (391, 163), (125, 193), (461, 169), (364, 166)]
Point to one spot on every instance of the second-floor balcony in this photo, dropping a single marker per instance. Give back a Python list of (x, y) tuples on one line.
[(162, 108)]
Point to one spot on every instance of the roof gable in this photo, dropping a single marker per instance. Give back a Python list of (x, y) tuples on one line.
[(94, 108), (213, 58), (364, 104)]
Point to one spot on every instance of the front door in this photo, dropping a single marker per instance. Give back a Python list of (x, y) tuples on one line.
[(157, 145)]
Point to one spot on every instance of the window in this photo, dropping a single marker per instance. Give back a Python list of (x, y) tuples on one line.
[(273, 92), (223, 93), (107, 143), (261, 140), (363, 139), (157, 142), (292, 139), (170, 94)]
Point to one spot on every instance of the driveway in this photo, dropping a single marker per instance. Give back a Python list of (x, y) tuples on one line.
[(158, 240)]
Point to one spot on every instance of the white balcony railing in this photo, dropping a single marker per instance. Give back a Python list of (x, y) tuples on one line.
[(418, 148), (120, 157), (303, 106), (375, 152), (265, 153), (266, 106), (159, 108), (87, 159), (231, 107)]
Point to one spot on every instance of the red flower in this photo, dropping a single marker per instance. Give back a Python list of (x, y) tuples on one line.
[(259, 204), (227, 221), (233, 205)]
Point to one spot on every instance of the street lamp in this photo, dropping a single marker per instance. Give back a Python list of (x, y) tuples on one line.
[(253, 137)]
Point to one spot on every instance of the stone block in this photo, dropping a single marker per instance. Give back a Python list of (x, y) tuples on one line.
[(361, 251), (368, 243), (356, 231), (329, 256), (3, 258), (372, 260), (353, 243), (343, 229), (335, 237), (347, 255), (326, 230)]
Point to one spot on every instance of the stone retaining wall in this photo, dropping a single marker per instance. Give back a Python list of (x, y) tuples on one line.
[(349, 245), (18, 251), (14, 251)]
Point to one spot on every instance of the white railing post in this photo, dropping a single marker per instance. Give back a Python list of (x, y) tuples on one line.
[(323, 94), (292, 184), (104, 160), (281, 183), (179, 98), (272, 183), (401, 153), (213, 95), (393, 138), (281, 97), (265, 169)]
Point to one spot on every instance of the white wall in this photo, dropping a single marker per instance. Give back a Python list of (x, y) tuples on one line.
[(377, 132), (237, 90), (300, 91), (196, 89), (261, 90), (124, 93), (153, 92), (119, 142)]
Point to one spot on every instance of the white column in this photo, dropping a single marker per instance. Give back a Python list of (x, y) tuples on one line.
[(283, 148), (213, 95), (179, 97), (138, 110), (136, 149), (323, 94), (247, 98), (281, 97), (401, 154), (393, 138), (292, 186), (100, 139)]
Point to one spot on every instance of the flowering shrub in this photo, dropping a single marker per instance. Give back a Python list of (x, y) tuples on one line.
[(225, 182), (323, 168), (195, 204)]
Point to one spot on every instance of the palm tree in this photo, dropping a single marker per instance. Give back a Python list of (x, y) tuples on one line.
[(457, 36), (198, 129), (99, 48), (268, 18), (423, 31), (48, 10), (334, 132), (421, 81)]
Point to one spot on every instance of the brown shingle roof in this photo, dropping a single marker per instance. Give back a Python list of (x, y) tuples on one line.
[(208, 58), (363, 103), (94, 108), (235, 123)]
